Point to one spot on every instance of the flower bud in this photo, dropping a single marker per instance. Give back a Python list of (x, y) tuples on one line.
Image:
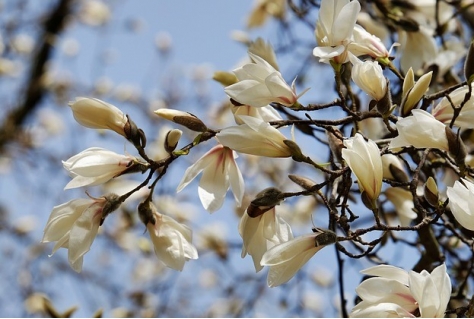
[(469, 64), (224, 78), (97, 114), (183, 118), (172, 139), (264, 201), (431, 192), (304, 182), (393, 168), (413, 92), (456, 146)]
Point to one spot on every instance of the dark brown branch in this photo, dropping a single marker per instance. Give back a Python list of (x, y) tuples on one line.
[(34, 91)]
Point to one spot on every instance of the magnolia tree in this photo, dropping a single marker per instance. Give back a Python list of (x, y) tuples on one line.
[(385, 155)]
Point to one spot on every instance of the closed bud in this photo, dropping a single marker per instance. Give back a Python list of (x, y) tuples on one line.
[(431, 192), (97, 114), (224, 78), (469, 64), (304, 182), (172, 139), (183, 118), (413, 92), (456, 146)]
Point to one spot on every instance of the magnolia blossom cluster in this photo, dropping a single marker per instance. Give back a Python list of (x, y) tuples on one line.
[(383, 171), (75, 224)]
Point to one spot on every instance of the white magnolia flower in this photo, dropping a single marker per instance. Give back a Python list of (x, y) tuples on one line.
[(416, 48), (262, 233), (74, 225), (369, 77), (219, 173), (396, 293), (266, 113), (334, 29), (171, 240), (363, 157), (402, 200), (444, 110), (186, 119), (287, 258), (95, 166), (260, 84), (460, 202), (97, 114), (421, 130), (365, 43), (255, 137)]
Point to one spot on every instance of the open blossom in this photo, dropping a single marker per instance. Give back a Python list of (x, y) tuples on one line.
[(260, 84), (255, 137), (97, 114), (416, 48), (396, 293), (369, 77), (421, 130), (460, 202), (334, 29), (444, 110), (265, 113), (95, 166), (171, 240), (262, 233), (287, 258), (74, 225), (219, 173), (365, 43), (363, 157)]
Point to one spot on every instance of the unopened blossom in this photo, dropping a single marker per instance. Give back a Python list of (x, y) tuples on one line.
[(421, 130), (396, 293), (460, 202), (413, 91), (97, 114), (171, 240), (444, 111), (393, 168), (287, 258), (95, 166), (74, 225), (220, 172), (186, 119), (262, 233), (261, 84), (255, 137), (334, 29), (365, 43), (402, 200), (369, 77), (363, 157)]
